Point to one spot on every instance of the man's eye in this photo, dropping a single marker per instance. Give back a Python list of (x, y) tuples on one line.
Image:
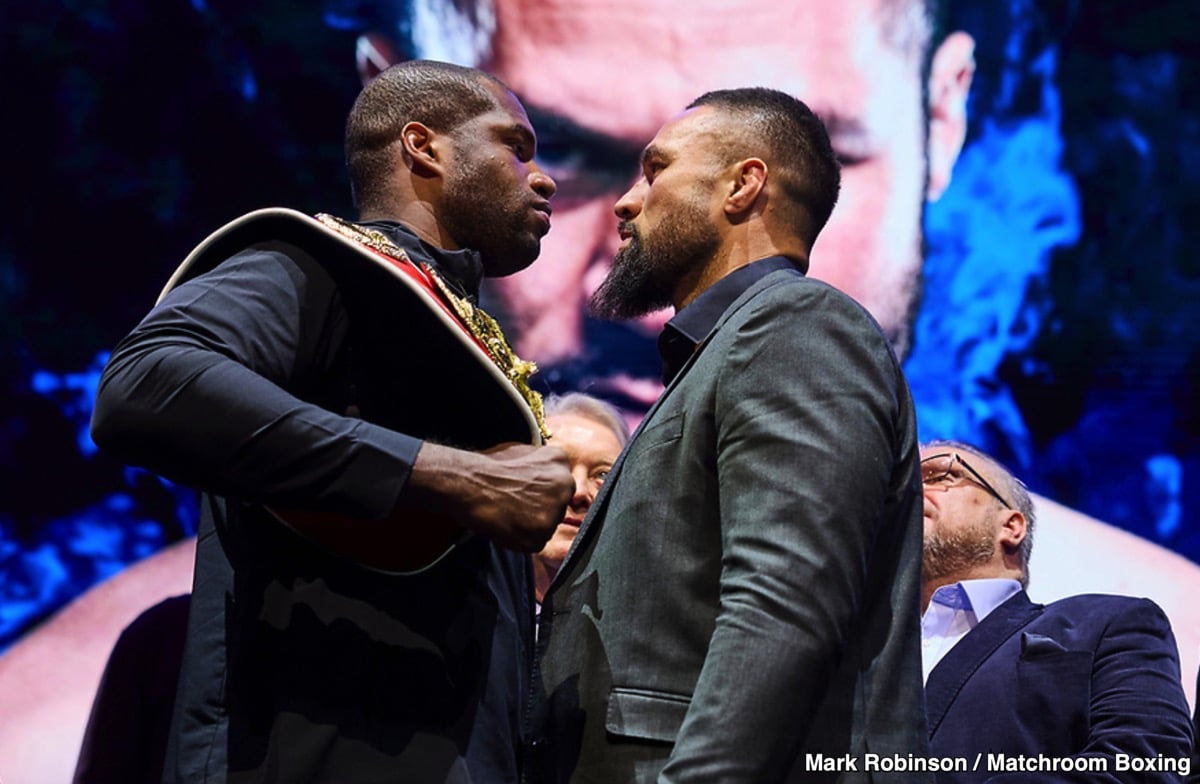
[(848, 160), (595, 166), (556, 153), (853, 149)]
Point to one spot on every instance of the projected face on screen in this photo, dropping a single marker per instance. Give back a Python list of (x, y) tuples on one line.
[(1112, 425), (600, 76)]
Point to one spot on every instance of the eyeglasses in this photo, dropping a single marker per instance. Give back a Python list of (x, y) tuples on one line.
[(943, 472)]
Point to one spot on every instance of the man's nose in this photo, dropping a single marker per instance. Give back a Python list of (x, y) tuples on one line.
[(629, 206), (542, 184)]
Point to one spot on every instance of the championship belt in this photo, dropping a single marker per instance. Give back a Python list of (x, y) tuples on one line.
[(411, 338)]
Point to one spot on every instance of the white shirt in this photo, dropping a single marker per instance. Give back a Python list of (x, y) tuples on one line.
[(955, 610)]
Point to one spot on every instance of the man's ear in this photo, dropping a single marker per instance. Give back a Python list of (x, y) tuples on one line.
[(1013, 531), (422, 147), (950, 76), (374, 52), (751, 178)]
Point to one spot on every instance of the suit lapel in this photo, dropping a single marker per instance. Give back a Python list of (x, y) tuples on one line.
[(587, 528), (601, 500), (957, 666)]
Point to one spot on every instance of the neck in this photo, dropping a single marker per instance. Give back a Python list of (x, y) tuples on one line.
[(694, 283), (739, 250), (419, 217)]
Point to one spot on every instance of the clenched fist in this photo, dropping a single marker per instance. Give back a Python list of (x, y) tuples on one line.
[(514, 494)]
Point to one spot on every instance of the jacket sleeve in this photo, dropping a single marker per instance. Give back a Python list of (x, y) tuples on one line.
[(1138, 712), (810, 429), (215, 389)]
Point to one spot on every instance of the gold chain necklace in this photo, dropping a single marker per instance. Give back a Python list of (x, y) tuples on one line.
[(481, 325)]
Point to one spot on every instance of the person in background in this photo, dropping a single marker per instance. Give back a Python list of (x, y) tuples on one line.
[(592, 433), (1088, 677)]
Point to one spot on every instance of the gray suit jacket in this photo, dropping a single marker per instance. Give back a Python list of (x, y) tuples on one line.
[(744, 591)]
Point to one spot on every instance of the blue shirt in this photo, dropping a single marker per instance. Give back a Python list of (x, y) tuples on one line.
[(955, 610)]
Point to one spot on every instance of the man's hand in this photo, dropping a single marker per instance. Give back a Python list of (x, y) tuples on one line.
[(514, 494)]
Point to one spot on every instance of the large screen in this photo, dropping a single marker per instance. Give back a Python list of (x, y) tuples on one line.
[(1020, 186)]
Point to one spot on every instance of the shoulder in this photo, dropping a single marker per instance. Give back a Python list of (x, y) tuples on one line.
[(786, 285), (1092, 602), (269, 276), (1109, 612), (787, 294), (793, 338)]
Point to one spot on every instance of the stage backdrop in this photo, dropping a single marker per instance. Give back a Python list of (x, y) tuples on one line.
[(1058, 328)]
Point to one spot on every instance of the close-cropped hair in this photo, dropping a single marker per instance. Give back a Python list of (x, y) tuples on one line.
[(794, 144), (588, 407), (440, 95)]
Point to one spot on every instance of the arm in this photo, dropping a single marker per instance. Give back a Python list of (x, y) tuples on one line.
[(807, 448), (206, 392), (514, 493), (1137, 704)]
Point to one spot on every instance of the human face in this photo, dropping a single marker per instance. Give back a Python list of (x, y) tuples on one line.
[(497, 200), (591, 448), (560, 55), (666, 221), (963, 515)]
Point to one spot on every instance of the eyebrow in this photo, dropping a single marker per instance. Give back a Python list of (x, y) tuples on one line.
[(601, 148), (841, 124), (850, 136), (517, 129), (653, 153)]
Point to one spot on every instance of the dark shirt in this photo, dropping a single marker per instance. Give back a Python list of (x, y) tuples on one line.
[(300, 665), (683, 333), (462, 269)]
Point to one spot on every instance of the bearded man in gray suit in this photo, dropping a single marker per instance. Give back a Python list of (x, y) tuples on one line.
[(741, 604)]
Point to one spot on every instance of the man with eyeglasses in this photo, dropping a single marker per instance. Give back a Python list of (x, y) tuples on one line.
[(1083, 689)]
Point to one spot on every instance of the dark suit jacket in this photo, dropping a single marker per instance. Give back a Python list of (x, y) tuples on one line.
[(1091, 674), (744, 590)]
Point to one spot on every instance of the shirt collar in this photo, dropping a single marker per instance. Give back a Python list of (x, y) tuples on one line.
[(979, 596), (462, 269), (683, 333)]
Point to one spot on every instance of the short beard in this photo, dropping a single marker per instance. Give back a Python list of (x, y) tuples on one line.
[(493, 224), (646, 272), (947, 555)]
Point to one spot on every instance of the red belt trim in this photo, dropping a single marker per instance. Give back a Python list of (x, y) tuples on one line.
[(422, 277)]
